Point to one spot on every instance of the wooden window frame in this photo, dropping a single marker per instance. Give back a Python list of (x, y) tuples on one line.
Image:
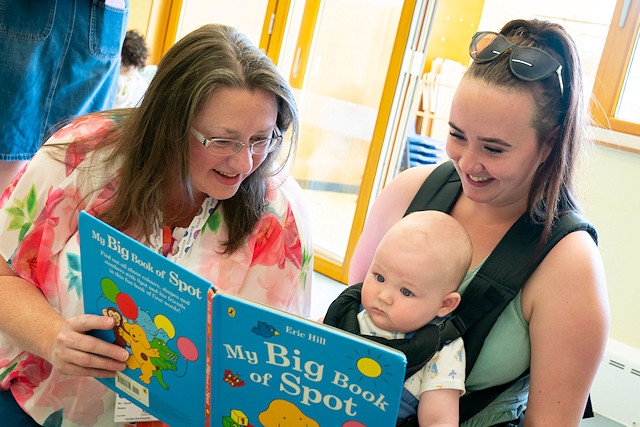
[(613, 68)]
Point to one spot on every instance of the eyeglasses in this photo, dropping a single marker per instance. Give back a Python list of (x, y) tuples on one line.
[(228, 147), (526, 63)]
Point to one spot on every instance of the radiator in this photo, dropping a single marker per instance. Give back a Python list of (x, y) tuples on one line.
[(615, 393)]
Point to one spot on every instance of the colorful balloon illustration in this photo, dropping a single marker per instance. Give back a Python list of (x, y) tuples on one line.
[(109, 289), (162, 322), (127, 306), (188, 350)]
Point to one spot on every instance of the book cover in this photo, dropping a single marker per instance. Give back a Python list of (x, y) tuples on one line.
[(271, 368), (205, 357), (161, 313)]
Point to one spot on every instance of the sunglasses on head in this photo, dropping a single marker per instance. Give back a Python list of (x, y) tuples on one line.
[(526, 63)]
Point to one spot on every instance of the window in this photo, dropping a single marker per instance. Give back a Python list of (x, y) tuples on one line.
[(614, 105)]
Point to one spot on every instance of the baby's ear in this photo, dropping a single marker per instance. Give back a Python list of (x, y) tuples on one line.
[(449, 303)]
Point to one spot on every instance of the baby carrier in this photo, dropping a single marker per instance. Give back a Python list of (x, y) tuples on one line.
[(495, 284)]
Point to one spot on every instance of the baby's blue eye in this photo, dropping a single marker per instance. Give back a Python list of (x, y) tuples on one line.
[(379, 278), (406, 292)]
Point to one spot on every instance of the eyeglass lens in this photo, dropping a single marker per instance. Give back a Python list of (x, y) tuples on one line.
[(229, 147)]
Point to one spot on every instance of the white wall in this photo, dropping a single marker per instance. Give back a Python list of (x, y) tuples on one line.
[(609, 188)]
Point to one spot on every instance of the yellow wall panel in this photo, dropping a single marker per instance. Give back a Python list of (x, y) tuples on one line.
[(455, 22), (139, 13)]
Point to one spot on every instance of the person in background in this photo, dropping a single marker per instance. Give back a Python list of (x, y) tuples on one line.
[(58, 61), (191, 173), (517, 122), (413, 279), (131, 84)]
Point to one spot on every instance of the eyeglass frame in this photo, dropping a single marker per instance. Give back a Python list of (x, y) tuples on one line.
[(514, 49), (239, 145)]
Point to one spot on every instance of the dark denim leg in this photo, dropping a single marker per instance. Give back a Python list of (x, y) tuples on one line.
[(11, 414)]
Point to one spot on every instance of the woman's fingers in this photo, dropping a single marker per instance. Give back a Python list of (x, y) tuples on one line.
[(75, 352)]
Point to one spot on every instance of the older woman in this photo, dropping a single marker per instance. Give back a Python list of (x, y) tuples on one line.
[(191, 173)]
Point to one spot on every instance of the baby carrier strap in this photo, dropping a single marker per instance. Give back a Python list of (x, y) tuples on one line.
[(498, 280), (418, 348)]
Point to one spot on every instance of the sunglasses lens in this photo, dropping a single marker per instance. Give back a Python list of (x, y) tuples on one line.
[(530, 63), (487, 46), (527, 63)]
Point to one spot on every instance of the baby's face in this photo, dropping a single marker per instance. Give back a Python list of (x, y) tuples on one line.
[(398, 294)]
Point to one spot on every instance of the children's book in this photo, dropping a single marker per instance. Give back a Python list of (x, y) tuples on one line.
[(200, 356)]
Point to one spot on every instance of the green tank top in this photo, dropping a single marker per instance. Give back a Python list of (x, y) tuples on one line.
[(506, 353)]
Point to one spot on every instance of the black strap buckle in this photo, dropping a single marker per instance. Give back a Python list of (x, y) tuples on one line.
[(451, 328)]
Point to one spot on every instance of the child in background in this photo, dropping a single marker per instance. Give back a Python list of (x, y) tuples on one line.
[(416, 271), (131, 83)]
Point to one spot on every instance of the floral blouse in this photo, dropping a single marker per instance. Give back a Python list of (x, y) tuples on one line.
[(38, 225)]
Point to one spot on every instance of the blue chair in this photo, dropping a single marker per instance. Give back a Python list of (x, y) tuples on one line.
[(422, 150)]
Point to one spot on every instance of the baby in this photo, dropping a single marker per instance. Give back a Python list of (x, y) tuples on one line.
[(413, 279)]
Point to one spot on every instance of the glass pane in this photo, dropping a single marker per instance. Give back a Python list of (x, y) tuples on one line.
[(338, 105), (629, 105), (245, 15)]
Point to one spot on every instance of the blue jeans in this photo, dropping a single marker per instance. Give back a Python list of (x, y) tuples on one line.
[(60, 59)]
